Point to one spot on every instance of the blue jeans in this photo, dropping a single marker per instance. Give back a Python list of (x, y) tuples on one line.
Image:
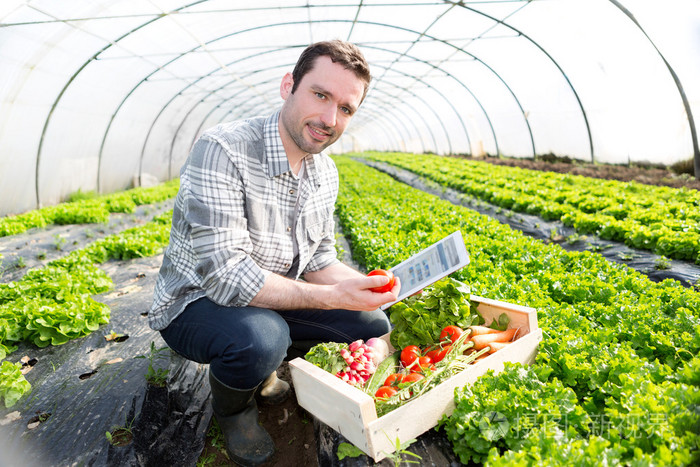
[(243, 345)]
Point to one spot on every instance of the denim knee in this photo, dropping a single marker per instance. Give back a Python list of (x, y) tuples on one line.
[(244, 363), (375, 323)]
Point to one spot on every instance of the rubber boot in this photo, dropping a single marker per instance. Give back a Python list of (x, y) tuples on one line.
[(273, 390), (247, 442)]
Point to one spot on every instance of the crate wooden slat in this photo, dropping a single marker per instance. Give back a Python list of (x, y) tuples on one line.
[(352, 413)]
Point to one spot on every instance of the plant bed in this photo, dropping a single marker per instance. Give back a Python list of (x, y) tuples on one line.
[(353, 413)]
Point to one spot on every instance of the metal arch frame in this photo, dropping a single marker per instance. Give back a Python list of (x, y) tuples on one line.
[(145, 142), (367, 46), (172, 99), (416, 96), (405, 134), (278, 66), (143, 80), (59, 96), (390, 112), (556, 64), (219, 105), (222, 118), (420, 115), (323, 21), (365, 109), (495, 73), (221, 87), (461, 121), (273, 51), (72, 78), (243, 90), (679, 86)]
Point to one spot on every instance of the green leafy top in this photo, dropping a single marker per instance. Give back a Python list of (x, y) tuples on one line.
[(326, 356), (418, 320)]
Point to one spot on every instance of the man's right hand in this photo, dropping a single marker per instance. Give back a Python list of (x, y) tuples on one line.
[(355, 294)]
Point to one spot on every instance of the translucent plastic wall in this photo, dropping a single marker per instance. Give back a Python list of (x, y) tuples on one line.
[(99, 94)]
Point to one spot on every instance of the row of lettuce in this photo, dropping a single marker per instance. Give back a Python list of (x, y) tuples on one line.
[(53, 304), (617, 377), (661, 219), (88, 209)]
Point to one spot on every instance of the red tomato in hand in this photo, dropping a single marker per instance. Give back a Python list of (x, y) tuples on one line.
[(409, 354), (385, 392), (388, 286), (450, 333)]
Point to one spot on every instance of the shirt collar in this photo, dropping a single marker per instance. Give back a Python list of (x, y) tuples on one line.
[(276, 157)]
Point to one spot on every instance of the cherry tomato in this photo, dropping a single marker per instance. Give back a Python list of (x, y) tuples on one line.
[(388, 286), (394, 379), (424, 363), (438, 353), (450, 333), (385, 392), (409, 354), (412, 378)]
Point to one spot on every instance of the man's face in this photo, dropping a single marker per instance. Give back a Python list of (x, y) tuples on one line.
[(320, 109)]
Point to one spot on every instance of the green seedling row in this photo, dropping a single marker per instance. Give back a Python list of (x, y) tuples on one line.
[(617, 376), (661, 219), (53, 304), (89, 210)]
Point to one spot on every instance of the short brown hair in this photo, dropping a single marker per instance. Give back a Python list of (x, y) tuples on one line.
[(345, 53)]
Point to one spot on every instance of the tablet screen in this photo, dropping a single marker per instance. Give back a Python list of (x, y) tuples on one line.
[(431, 264)]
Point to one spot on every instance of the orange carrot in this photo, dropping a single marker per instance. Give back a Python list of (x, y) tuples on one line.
[(496, 346), (481, 330), (484, 340)]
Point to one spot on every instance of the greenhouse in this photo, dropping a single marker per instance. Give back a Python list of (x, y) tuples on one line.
[(556, 140)]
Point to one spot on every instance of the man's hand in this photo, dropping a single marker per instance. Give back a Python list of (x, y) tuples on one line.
[(350, 293), (355, 294)]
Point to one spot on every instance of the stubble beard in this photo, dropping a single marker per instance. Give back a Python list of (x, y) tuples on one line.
[(298, 136)]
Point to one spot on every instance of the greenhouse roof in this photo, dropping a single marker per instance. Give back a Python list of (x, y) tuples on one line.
[(96, 93)]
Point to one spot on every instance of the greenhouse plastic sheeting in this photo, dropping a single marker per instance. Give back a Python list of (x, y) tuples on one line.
[(97, 94), (89, 386)]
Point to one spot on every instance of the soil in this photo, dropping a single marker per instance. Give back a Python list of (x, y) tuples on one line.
[(290, 426), (650, 175)]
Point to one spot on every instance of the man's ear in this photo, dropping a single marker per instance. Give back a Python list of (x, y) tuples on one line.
[(286, 86)]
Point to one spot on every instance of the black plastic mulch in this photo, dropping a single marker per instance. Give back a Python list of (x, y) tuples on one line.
[(90, 386)]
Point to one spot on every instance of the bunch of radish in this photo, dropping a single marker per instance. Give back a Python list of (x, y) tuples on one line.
[(362, 360)]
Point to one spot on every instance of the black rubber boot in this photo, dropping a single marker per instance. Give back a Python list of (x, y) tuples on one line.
[(247, 442), (273, 390)]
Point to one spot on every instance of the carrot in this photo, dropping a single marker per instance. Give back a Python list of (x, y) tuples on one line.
[(481, 330), (496, 346), (484, 340)]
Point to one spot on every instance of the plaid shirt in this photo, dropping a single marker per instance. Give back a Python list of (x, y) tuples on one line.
[(236, 216)]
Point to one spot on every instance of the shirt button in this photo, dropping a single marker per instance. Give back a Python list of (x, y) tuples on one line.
[(291, 192), (289, 229), (286, 265)]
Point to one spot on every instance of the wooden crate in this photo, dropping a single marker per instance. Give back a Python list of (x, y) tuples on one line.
[(352, 413)]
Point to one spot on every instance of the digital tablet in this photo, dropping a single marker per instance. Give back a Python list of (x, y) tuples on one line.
[(429, 265)]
